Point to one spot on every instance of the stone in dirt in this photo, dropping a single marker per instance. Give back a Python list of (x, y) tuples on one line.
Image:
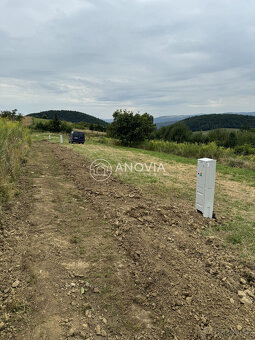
[(88, 313), (15, 284), (104, 334), (83, 335), (243, 281), (250, 293), (100, 331), (1, 325), (204, 320), (246, 300), (71, 332), (241, 293), (189, 300), (232, 300)]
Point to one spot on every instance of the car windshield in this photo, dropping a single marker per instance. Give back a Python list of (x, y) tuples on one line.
[(78, 134)]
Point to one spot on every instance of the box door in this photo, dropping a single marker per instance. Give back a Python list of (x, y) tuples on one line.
[(200, 192)]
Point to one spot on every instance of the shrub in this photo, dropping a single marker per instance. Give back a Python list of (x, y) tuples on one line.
[(245, 149)]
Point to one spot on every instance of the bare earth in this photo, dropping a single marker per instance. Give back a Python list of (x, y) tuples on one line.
[(88, 260)]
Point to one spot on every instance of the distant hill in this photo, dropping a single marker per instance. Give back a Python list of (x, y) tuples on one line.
[(169, 120), (70, 116), (216, 121)]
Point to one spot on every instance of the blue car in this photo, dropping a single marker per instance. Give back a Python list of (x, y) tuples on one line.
[(77, 137)]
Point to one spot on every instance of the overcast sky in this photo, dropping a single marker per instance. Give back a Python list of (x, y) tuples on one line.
[(156, 56)]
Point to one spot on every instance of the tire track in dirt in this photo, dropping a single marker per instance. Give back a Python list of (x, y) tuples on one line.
[(62, 256)]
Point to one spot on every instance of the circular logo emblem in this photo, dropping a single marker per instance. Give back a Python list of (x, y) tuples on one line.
[(100, 170)]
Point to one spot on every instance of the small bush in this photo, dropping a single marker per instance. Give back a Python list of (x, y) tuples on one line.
[(245, 149)]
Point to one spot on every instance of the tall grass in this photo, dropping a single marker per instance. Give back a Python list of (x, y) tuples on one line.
[(194, 150), (14, 144), (188, 149)]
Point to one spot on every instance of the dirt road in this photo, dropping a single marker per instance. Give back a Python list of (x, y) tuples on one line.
[(88, 260)]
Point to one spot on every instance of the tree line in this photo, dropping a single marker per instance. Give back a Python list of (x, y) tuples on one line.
[(132, 129), (12, 115), (243, 140)]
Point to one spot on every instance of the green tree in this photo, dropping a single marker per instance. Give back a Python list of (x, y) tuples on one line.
[(131, 128), (180, 133), (197, 137), (220, 136), (91, 127), (55, 124), (11, 115), (231, 141), (164, 133)]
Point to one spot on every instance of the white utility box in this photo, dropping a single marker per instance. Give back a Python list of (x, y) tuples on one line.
[(206, 172)]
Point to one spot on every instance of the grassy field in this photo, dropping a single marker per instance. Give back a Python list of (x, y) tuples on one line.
[(234, 194)]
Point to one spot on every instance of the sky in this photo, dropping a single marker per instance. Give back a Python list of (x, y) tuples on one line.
[(156, 56)]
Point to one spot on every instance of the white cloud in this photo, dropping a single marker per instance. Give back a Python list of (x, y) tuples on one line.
[(24, 17), (163, 57)]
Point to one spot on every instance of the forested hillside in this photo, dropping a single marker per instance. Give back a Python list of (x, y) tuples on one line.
[(217, 121), (69, 116)]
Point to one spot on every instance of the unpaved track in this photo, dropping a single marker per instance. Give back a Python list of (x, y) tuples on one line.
[(101, 260)]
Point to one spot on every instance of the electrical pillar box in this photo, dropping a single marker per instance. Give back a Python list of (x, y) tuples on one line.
[(206, 171)]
